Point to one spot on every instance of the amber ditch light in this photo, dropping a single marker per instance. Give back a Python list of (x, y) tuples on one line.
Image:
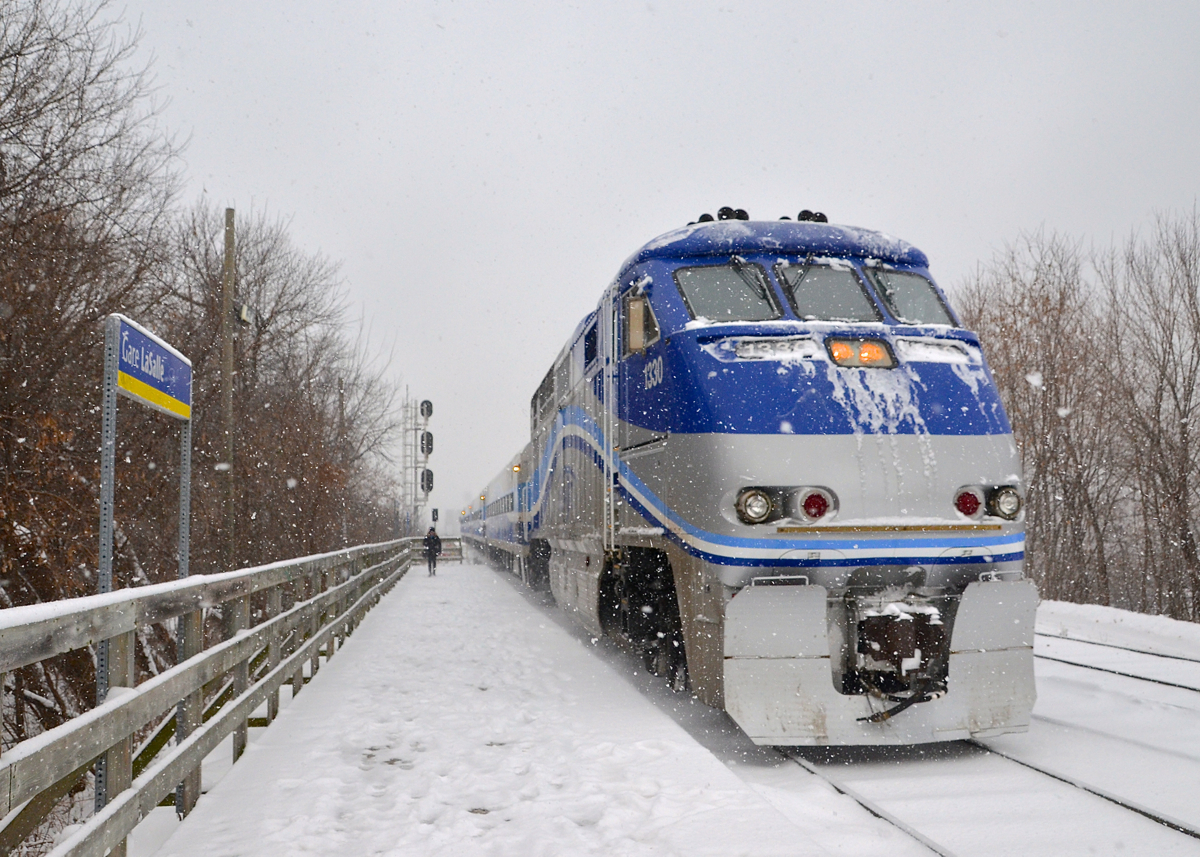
[(861, 352), (843, 352)]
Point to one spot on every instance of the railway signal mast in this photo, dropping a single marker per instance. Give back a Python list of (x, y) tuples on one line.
[(417, 477)]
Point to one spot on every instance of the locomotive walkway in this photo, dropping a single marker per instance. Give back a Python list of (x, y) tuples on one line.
[(462, 719)]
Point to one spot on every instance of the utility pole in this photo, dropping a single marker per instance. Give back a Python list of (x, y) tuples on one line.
[(235, 615), (229, 517), (343, 454)]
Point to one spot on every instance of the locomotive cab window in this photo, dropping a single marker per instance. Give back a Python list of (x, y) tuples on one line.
[(910, 297), (826, 293), (737, 291), (640, 328), (590, 346)]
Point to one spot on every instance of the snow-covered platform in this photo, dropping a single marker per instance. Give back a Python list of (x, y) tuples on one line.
[(462, 719), (469, 716)]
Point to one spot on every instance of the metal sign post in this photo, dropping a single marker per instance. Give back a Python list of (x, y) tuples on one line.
[(142, 367)]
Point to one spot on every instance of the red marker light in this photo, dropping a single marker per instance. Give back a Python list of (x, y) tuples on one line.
[(815, 505), (968, 503)]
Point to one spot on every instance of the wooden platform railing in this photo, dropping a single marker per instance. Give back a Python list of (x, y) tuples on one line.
[(311, 605), (452, 550)]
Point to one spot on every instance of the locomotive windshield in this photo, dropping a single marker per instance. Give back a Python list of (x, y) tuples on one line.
[(737, 291), (910, 297), (824, 293)]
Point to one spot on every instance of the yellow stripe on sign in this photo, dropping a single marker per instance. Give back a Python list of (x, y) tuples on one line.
[(154, 397)]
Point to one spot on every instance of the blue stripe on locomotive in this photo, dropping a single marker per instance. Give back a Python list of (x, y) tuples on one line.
[(1007, 547)]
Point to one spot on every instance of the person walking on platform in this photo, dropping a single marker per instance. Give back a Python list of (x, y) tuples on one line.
[(433, 547)]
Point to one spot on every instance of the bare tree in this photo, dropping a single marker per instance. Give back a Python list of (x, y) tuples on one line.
[(85, 186), (315, 416), (88, 227), (1039, 322), (1153, 351)]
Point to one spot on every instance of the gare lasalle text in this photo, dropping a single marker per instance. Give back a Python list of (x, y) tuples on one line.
[(145, 360)]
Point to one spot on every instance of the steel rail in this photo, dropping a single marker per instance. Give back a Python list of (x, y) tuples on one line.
[(1115, 646), (1153, 748), (870, 806), (879, 812), (1119, 672), (1132, 806)]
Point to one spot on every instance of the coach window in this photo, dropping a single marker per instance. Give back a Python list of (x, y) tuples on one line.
[(910, 297), (640, 328), (826, 293), (738, 291)]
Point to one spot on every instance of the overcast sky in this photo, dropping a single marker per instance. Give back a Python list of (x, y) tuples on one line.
[(481, 170)]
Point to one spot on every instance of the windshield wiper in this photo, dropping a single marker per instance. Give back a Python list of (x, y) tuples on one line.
[(808, 260), (742, 267)]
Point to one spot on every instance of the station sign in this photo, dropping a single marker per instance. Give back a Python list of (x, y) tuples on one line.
[(152, 372), (142, 367)]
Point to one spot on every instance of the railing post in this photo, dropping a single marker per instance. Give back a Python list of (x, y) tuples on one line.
[(274, 606), (331, 582), (235, 617), (300, 593), (314, 625), (345, 601), (189, 713), (118, 761)]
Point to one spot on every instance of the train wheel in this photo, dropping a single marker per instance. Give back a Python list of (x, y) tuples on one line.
[(677, 675), (657, 659)]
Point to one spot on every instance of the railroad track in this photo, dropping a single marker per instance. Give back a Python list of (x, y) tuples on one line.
[(1115, 646), (1124, 739), (926, 823), (1182, 685), (869, 805), (892, 816)]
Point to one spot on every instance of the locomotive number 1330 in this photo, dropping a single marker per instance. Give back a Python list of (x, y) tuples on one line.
[(652, 372)]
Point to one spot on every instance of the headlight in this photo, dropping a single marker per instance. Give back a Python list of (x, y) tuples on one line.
[(1004, 502), (754, 506)]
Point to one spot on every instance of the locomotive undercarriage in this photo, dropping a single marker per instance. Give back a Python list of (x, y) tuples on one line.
[(639, 605)]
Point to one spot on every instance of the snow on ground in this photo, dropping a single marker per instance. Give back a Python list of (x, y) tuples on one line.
[(461, 719), (1119, 627), (467, 716)]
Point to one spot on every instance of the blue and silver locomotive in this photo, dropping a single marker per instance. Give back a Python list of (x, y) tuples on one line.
[(774, 460)]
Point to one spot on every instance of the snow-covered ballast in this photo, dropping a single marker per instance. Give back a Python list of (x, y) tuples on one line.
[(816, 495)]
